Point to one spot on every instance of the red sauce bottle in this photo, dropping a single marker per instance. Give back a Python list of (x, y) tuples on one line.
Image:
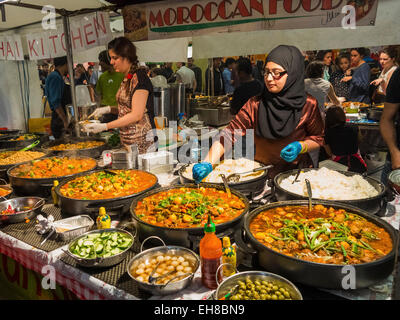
[(210, 256)]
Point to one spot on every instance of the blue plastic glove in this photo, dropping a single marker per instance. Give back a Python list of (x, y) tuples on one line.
[(291, 151), (201, 170)]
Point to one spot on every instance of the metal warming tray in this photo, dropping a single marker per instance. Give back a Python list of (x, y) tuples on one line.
[(214, 116), (79, 224)]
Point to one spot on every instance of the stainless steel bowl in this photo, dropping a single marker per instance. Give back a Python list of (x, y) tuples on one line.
[(169, 288), (100, 262), (19, 204), (394, 180), (226, 285)]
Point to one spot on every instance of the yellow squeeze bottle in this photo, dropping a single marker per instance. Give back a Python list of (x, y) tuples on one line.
[(103, 220), (228, 256), (54, 194)]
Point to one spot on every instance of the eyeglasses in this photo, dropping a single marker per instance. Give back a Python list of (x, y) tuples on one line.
[(276, 74)]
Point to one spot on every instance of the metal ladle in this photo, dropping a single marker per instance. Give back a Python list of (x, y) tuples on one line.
[(309, 193)]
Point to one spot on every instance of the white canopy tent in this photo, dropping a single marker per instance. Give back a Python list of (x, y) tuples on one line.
[(20, 88), (384, 32)]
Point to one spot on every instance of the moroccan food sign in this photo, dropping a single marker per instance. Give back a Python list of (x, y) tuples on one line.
[(190, 18)]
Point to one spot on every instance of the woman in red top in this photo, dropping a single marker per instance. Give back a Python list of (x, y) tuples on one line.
[(286, 122), (134, 98)]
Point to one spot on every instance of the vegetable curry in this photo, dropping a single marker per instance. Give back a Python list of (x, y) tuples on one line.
[(53, 167), (324, 235), (189, 207), (107, 185), (77, 146)]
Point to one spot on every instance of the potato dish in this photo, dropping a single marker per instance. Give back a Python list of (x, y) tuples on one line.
[(189, 207), (13, 157), (166, 266)]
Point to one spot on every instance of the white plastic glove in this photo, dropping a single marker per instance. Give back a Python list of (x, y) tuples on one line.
[(100, 111), (94, 127)]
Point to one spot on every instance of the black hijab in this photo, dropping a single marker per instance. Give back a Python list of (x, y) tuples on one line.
[(280, 113)]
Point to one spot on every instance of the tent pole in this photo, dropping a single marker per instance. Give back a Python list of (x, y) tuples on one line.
[(70, 59)]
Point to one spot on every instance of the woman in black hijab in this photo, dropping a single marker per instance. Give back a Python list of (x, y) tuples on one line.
[(286, 122)]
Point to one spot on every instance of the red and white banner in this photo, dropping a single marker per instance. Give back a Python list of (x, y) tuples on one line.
[(11, 48), (180, 18), (86, 32)]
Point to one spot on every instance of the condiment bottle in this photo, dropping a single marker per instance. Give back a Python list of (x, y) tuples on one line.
[(210, 256), (103, 220), (228, 256), (54, 194)]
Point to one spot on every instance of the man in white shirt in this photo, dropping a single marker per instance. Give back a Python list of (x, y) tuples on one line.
[(186, 76)]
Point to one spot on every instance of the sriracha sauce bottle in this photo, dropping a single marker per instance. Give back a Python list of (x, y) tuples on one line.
[(210, 256)]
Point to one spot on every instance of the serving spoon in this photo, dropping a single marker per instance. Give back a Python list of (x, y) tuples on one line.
[(309, 193), (227, 189), (235, 177)]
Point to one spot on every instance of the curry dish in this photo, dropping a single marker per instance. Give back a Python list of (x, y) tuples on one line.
[(77, 146), (324, 235), (53, 167), (108, 185), (4, 192), (25, 137), (189, 207)]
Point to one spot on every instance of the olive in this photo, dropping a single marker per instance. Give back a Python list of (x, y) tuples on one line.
[(268, 297), (262, 291), (258, 287), (248, 292), (241, 283), (275, 288), (257, 283), (263, 287), (235, 297), (265, 283), (287, 294), (257, 296), (281, 297), (282, 290), (274, 297)]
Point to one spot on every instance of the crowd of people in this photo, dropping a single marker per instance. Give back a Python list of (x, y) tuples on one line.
[(284, 99)]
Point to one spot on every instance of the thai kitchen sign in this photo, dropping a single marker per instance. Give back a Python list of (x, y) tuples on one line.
[(167, 19), (86, 32), (11, 48)]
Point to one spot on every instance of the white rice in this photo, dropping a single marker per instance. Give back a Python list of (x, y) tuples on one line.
[(228, 167), (330, 185)]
